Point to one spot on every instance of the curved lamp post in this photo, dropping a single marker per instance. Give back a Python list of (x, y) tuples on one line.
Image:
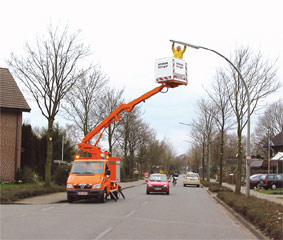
[(248, 156)]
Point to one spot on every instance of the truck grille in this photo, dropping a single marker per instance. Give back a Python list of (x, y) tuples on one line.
[(82, 186)]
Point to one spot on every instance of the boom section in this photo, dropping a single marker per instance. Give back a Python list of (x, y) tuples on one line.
[(113, 117)]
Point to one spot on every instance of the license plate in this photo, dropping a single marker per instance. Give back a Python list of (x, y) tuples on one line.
[(82, 193), (157, 188)]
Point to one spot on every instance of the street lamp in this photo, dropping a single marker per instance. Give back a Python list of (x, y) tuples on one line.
[(248, 156)]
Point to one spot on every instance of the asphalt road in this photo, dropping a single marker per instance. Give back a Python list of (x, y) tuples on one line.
[(187, 213)]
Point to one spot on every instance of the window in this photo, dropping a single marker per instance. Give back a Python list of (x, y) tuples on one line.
[(88, 168), (158, 178)]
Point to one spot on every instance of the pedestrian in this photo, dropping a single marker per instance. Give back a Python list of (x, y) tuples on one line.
[(178, 53)]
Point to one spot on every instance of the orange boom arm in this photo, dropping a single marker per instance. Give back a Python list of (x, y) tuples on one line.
[(94, 150)]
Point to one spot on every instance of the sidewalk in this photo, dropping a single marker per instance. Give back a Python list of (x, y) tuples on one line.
[(269, 197), (62, 196)]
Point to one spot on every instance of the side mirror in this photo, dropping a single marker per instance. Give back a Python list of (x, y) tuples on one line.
[(146, 180), (169, 180), (108, 172)]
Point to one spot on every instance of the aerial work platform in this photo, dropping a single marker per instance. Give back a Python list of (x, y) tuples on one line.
[(171, 70)]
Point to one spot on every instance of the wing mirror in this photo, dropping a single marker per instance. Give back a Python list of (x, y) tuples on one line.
[(108, 172)]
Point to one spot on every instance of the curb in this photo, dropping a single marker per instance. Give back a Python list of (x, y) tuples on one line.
[(65, 200), (240, 218)]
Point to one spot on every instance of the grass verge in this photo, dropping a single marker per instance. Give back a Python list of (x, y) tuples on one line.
[(277, 191), (14, 192), (266, 215)]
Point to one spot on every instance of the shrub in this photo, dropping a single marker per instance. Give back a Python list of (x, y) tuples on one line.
[(61, 174), (205, 183), (266, 215), (14, 194), (217, 188), (29, 176)]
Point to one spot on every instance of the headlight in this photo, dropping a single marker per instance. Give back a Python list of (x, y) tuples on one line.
[(149, 185), (165, 186), (97, 186), (69, 186)]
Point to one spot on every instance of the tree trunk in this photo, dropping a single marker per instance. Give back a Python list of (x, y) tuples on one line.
[(48, 163), (208, 161), (203, 172), (239, 162), (221, 158), (110, 141)]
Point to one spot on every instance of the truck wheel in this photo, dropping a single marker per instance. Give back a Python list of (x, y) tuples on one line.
[(273, 186), (104, 196), (70, 199)]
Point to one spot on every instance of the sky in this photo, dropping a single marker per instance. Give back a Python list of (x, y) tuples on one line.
[(126, 36)]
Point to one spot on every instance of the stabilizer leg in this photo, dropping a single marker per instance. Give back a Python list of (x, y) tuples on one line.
[(113, 196), (120, 191)]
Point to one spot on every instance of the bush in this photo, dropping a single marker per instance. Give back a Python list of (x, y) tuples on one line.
[(205, 183), (266, 215), (217, 188), (14, 194), (61, 174), (29, 176)]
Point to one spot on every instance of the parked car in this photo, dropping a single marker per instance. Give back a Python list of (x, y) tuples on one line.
[(255, 180), (157, 183), (272, 181), (191, 179)]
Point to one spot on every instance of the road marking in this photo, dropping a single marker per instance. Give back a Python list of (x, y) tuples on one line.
[(146, 202), (44, 209), (23, 215), (130, 213), (103, 233)]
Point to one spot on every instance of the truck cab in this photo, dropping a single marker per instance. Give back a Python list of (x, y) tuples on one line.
[(89, 178)]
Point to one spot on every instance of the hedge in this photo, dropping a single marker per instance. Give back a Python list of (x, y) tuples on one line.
[(266, 215)]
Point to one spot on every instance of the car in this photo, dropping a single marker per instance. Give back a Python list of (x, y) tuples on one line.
[(272, 181), (158, 183), (191, 179), (255, 180)]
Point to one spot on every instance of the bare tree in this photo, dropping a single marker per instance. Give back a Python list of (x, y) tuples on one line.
[(48, 71), (260, 78), (111, 99), (222, 113), (206, 113), (198, 134), (269, 125), (83, 100)]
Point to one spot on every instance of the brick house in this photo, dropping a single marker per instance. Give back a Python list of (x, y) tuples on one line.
[(276, 162), (12, 104)]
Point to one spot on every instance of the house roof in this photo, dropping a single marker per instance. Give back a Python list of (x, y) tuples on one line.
[(10, 95), (278, 156), (257, 163), (278, 139)]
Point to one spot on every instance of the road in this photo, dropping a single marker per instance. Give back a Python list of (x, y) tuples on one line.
[(187, 213)]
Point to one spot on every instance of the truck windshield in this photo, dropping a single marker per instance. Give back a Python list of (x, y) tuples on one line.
[(87, 168)]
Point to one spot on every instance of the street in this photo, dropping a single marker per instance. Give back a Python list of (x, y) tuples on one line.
[(187, 213)]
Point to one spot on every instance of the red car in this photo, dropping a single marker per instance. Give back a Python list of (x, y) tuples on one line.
[(157, 183)]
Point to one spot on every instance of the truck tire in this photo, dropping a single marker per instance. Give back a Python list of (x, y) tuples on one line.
[(70, 199), (104, 196)]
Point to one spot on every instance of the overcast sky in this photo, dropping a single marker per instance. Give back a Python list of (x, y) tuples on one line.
[(126, 36)]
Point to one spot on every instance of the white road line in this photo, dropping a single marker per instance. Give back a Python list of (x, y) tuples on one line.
[(103, 233), (144, 203), (44, 209), (130, 213)]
